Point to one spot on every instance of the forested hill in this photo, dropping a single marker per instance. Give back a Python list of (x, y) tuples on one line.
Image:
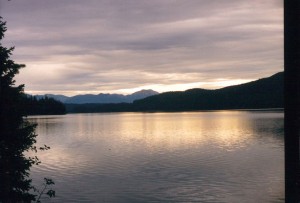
[(42, 106), (262, 93)]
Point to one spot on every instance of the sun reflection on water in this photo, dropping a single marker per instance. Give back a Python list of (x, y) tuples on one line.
[(185, 130)]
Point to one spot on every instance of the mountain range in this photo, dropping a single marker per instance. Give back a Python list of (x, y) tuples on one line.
[(262, 93), (101, 98)]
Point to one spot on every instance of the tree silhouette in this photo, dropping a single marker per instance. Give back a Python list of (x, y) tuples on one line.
[(43, 106), (17, 136)]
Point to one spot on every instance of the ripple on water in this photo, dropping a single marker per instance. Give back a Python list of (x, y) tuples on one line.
[(176, 157)]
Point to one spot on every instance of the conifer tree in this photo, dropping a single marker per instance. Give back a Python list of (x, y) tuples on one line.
[(17, 136)]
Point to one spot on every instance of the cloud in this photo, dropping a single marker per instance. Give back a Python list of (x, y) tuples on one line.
[(126, 44)]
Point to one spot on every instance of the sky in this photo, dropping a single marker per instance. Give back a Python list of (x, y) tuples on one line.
[(75, 47)]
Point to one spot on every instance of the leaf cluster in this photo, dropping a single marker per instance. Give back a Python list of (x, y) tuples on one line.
[(45, 190)]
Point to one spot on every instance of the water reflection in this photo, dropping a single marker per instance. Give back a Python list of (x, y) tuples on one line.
[(228, 156)]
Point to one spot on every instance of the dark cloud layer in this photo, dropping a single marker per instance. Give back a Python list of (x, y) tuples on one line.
[(123, 45)]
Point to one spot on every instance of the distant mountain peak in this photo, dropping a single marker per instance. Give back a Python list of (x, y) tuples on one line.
[(145, 92), (103, 98)]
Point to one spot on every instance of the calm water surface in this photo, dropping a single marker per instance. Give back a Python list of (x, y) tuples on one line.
[(223, 156)]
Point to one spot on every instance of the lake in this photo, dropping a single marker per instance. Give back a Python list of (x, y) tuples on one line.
[(207, 157)]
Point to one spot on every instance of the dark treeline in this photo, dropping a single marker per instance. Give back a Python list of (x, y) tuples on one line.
[(263, 93), (43, 106), (94, 108)]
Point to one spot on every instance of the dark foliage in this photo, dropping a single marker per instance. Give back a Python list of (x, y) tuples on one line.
[(43, 106), (17, 136)]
